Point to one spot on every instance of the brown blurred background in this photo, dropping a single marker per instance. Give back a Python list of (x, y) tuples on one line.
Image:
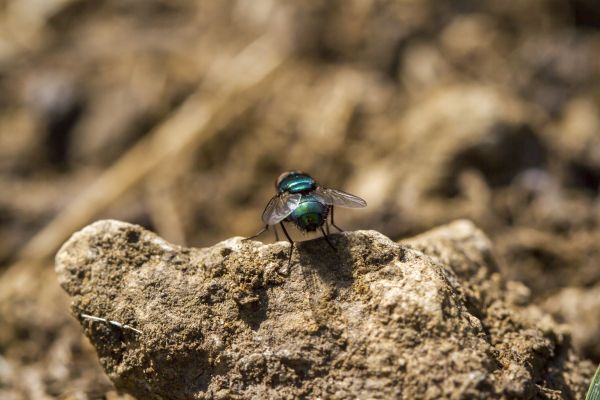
[(178, 115)]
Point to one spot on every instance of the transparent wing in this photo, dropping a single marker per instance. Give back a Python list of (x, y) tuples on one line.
[(280, 207), (336, 197)]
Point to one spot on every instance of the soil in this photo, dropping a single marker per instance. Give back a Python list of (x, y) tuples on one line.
[(179, 115)]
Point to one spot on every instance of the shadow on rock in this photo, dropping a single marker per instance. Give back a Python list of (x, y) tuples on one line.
[(334, 268)]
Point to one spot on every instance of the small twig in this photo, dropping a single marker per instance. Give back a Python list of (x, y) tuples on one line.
[(114, 323)]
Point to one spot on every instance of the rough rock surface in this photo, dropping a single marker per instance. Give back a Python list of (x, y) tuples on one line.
[(429, 317)]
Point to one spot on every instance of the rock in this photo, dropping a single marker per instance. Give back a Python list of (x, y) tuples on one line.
[(427, 318)]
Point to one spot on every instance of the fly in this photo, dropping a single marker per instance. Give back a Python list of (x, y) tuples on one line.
[(302, 201)]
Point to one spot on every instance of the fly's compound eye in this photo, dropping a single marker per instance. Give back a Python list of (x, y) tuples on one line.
[(286, 174), (282, 177)]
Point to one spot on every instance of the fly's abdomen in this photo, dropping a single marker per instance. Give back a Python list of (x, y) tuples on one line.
[(310, 214)]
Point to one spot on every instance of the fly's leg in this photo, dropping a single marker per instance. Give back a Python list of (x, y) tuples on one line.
[(327, 228), (109, 322), (333, 223), (327, 239), (266, 228), (291, 244)]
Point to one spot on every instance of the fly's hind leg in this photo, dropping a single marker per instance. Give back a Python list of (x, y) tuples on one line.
[(327, 239), (333, 223), (266, 228), (287, 235), (263, 230)]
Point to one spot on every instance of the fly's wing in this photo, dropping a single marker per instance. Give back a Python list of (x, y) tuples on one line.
[(280, 207), (334, 197)]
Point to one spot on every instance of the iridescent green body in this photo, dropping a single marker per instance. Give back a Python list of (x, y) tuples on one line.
[(310, 214)]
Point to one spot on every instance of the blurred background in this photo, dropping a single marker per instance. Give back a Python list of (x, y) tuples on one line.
[(178, 115)]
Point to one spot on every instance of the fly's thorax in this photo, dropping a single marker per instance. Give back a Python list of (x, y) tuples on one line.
[(295, 182), (310, 214)]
